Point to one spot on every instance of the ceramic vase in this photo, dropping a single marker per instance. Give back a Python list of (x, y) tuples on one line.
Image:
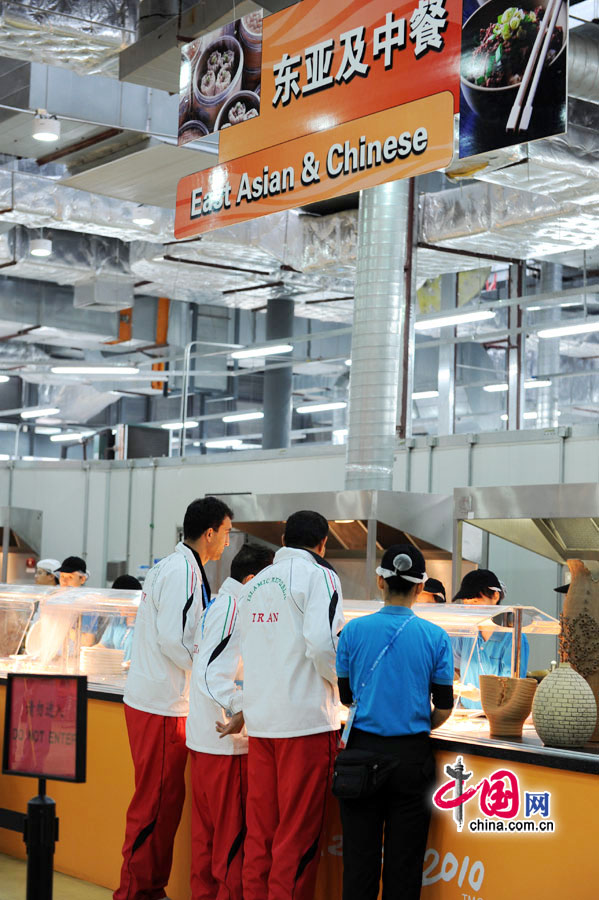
[(564, 711), (579, 640), (506, 703)]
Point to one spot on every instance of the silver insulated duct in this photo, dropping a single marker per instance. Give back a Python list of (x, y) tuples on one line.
[(377, 336), (548, 358)]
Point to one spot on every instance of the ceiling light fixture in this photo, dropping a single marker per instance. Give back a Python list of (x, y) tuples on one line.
[(567, 330), (94, 370), (177, 426), (46, 429), (250, 352), (348, 362), (504, 417), (424, 395), (243, 417), (39, 411), (495, 388), (45, 129), (4, 379), (71, 436), (231, 444), (537, 383), (530, 415), (41, 247), (477, 315), (321, 407), (143, 221)]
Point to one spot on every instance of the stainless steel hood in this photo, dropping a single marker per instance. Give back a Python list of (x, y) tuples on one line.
[(558, 521), (25, 526), (362, 524)]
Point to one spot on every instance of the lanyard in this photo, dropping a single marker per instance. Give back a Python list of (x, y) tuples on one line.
[(353, 708)]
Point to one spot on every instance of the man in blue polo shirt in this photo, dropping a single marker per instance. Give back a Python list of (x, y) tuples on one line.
[(392, 663)]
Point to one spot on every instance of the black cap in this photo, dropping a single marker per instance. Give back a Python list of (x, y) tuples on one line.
[(392, 561), (436, 587), (73, 564), (126, 583), (476, 582), (562, 589)]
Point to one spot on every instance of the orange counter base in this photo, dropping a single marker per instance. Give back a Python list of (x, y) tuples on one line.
[(459, 865)]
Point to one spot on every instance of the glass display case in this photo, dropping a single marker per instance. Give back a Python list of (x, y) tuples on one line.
[(463, 623), (68, 630)]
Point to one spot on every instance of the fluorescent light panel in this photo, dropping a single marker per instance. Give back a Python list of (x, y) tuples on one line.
[(321, 407), (532, 383), (177, 426), (94, 370), (4, 379), (495, 388), (38, 412), (70, 436), (424, 395), (567, 330), (250, 352), (478, 315), (230, 444), (243, 417)]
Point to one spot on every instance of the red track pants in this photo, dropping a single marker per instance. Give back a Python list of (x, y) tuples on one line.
[(289, 782), (159, 756), (219, 786)]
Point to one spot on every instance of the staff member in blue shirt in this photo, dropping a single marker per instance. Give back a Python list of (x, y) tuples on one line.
[(491, 653), (393, 718), (119, 631)]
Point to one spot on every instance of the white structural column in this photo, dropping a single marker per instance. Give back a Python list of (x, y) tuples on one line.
[(447, 356), (548, 360), (377, 339)]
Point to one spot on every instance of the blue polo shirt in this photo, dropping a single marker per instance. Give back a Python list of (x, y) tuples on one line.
[(397, 697), (490, 657)]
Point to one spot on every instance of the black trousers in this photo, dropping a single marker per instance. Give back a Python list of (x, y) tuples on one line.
[(396, 817)]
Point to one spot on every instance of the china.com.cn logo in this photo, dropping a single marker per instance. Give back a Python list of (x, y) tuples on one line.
[(499, 801)]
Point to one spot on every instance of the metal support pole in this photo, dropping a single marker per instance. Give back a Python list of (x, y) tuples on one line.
[(41, 834), (6, 528), (457, 556), (278, 382), (447, 358), (516, 640), (185, 393), (371, 588), (515, 353)]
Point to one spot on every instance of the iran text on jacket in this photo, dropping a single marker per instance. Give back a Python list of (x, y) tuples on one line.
[(162, 652), (289, 618)]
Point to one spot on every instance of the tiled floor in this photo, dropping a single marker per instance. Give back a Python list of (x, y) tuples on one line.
[(13, 877)]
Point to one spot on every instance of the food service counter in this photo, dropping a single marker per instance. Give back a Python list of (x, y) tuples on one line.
[(459, 865)]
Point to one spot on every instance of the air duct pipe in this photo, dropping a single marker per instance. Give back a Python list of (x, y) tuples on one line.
[(377, 340), (583, 63), (548, 360)]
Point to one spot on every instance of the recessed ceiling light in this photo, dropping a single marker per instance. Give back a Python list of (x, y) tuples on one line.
[(40, 247), (261, 351), (143, 221), (4, 379), (45, 129), (495, 388), (321, 407), (39, 411), (348, 362)]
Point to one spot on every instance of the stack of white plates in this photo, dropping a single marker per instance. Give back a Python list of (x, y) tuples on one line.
[(101, 661)]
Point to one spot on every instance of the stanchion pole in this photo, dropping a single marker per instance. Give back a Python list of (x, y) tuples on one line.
[(41, 834)]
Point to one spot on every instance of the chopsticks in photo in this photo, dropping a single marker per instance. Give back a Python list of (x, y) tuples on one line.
[(519, 118)]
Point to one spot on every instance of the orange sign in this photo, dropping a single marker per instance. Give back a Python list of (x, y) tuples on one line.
[(395, 143), (325, 62)]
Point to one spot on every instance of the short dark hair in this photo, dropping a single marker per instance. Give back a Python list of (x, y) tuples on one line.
[(250, 560), (305, 528), (208, 512), (126, 583)]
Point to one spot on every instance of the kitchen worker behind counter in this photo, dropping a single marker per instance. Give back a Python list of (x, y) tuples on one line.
[(73, 574), (119, 631), (219, 765), (491, 652), (391, 664), (289, 619), (44, 572), (156, 696)]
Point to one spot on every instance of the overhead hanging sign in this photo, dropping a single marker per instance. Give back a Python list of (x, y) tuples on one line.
[(350, 95), (396, 143)]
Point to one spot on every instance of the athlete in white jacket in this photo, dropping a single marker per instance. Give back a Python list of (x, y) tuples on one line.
[(290, 617), (156, 697), (219, 765)]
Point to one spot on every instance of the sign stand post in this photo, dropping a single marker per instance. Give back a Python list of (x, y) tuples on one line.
[(40, 836)]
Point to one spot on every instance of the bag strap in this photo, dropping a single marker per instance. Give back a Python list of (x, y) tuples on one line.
[(380, 656)]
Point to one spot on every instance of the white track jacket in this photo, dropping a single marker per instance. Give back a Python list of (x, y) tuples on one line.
[(162, 652), (289, 618), (216, 668)]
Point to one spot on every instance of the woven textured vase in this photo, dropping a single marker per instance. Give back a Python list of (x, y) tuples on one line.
[(564, 711), (579, 640), (506, 703)]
